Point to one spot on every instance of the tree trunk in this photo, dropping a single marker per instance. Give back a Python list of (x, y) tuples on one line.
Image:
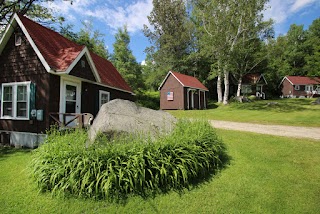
[(219, 89), (239, 87), (226, 87)]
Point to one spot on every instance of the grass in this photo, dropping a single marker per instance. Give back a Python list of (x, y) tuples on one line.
[(267, 174), (293, 112)]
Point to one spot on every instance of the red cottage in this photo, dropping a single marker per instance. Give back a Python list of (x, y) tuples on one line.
[(179, 91), (300, 86), (42, 72)]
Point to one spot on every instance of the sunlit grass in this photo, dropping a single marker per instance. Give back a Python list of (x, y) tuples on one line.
[(293, 112), (267, 174)]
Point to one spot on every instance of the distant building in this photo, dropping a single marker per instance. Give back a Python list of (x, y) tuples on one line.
[(179, 91), (297, 86)]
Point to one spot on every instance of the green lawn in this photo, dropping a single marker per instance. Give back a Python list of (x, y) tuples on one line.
[(267, 174), (294, 112)]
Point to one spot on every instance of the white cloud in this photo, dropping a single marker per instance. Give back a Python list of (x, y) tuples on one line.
[(281, 10), (300, 4), (114, 14)]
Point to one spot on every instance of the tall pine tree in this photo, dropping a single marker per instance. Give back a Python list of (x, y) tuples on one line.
[(124, 60)]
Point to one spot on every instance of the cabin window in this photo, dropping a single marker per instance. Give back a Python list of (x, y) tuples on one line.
[(104, 97), (15, 100), (17, 39), (309, 88), (297, 87), (83, 63)]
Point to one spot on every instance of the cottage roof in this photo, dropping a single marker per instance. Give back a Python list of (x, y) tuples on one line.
[(253, 78), (59, 54), (302, 80), (185, 81)]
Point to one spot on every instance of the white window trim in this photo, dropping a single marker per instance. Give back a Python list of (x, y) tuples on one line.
[(309, 87), (14, 100), (297, 87), (69, 81), (100, 96)]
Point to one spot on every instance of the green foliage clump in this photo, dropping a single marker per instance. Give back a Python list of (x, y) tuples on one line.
[(149, 99), (128, 165)]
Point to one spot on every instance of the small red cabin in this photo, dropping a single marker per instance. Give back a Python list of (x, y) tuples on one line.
[(180, 91), (300, 86)]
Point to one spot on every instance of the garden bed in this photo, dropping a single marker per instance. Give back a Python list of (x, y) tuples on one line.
[(129, 164)]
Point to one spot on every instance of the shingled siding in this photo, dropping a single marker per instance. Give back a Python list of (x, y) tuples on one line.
[(172, 85), (288, 89), (83, 70), (90, 97), (20, 64)]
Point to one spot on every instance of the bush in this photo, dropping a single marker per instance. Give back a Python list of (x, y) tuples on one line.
[(148, 99), (128, 165)]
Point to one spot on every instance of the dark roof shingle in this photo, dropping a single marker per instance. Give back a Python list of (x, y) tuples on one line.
[(60, 52), (189, 81)]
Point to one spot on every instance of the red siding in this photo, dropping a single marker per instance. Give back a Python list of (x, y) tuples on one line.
[(288, 89), (172, 85)]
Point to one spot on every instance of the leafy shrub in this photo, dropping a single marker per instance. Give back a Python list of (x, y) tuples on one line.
[(129, 165), (148, 99)]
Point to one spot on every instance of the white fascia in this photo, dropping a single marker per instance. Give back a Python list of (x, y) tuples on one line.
[(33, 45), (85, 51)]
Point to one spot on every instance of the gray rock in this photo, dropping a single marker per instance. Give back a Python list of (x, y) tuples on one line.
[(123, 116), (317, 101)]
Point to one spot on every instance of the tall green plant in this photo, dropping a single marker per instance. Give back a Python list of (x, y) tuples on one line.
[(129, 164)]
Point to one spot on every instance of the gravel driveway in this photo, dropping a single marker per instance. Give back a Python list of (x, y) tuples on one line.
[(280, 130)]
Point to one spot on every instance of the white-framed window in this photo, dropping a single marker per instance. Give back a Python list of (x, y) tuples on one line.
[(309, 88), (297, 87), (15, 100), (104, 97)]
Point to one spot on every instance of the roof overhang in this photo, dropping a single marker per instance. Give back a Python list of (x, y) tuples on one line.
[(285, 78), (85, 52), (170, 72)]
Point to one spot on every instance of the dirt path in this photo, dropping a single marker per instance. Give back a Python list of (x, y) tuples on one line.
[(280, 130)]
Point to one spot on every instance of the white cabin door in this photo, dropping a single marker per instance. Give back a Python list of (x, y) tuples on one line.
[(70, 98)]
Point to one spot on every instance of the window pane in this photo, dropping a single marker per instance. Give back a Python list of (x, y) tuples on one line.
[(7, 109), (71, 92), (21, 109), (104, 98), (70, 107), (22, 93), (7, 93)]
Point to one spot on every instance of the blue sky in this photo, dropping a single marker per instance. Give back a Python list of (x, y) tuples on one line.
[(109, 15)]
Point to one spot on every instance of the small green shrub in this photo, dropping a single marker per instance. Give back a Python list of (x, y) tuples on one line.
[(148, 99), (129, 165)]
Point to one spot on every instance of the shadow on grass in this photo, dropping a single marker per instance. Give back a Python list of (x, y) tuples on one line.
[(7, 151), (194, 183), (288, 105)]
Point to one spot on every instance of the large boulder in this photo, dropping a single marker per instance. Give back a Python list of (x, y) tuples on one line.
[(317, 101), (123, 116)]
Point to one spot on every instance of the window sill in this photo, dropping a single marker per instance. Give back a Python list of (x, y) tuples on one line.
[(14, 118)]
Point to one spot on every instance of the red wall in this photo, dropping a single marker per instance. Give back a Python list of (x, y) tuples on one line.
[(172, 85)]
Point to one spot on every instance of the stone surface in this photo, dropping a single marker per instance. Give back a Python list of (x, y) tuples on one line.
[(123, 116), (317, 101)]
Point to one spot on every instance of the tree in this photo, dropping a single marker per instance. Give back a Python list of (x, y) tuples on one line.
[(296, 50), (170, 36), (312, 58), (32, 8), (86, 36), (224, 24), (124, 60)]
